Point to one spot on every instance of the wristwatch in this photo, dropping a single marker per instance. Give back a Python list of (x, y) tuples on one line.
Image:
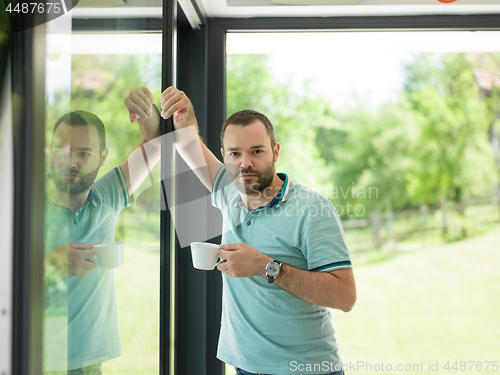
[(273, 270)]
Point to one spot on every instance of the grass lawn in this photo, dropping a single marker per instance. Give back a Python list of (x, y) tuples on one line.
[(439, 305), (137, 285)]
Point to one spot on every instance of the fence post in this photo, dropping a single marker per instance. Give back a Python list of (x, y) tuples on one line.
[(498, 196), (446, 218), (390, 224), (375, 221), (423, 222)]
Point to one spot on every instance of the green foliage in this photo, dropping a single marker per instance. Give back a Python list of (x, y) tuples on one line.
[(430, 146), (454, 161), (371, 153)]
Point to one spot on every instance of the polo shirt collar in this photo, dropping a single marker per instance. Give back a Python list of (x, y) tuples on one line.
[(280, 198), (90, 199), (93, 199)]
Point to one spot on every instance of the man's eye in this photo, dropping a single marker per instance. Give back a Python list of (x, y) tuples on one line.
[(233, 154), (84, 154), (257, 151)]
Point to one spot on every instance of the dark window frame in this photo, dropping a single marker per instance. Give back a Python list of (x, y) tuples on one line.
[(26, 49), (476, 22)]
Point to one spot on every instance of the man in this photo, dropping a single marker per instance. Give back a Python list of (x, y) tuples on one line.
[(284, 252), (81, 325)]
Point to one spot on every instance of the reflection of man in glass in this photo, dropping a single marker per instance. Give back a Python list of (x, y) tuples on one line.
[(81, 325)]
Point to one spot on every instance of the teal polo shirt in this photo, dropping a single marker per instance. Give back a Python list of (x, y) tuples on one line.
[(81, 322), (265, 329)]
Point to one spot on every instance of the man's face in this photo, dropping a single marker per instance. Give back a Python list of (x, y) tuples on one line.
[(249, 158), (75, 157)]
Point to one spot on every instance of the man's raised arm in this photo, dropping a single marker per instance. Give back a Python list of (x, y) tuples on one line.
[(141, 108), (189, 145)]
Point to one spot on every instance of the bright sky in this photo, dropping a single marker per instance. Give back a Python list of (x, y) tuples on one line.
[(338, 64), (369, 64)]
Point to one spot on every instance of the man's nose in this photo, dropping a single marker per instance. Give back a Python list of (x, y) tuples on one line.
[(245, 161), (73, 161)]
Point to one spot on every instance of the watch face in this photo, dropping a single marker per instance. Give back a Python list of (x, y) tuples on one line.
[(273, 269)]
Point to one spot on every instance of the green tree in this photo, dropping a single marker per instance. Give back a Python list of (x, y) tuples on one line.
[(371, 154), (453, 158), (487, 73), (428, 147)]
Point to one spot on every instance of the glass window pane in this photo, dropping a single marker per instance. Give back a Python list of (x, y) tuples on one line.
[(102, 230), (400, 131)]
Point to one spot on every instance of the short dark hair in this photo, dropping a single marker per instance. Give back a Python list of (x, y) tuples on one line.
[(79, 118), (247, 117)]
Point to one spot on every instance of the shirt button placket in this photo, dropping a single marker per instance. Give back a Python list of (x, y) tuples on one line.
[(248, 226)]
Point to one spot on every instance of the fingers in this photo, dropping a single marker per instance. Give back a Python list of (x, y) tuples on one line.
[(86, 254), (136, 105), (88, 266), (79, 255), (80, 245), (171, 104), (83, 270), (223, 254), (139, 104), (181, 115), (222, 267), (143, 98), (230, 246), (133, 117), (167, 91), (227, 248), (148, 93), (174, 101), (73, 258)]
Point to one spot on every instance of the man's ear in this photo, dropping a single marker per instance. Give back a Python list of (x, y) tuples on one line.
[(222, 152), (276, 151), (104, 155)]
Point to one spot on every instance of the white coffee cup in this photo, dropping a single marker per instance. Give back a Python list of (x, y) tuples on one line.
[(110, 254), (204, 255)]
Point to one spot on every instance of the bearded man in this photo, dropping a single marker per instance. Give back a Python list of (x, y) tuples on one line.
[(81, 323), (285, 260)]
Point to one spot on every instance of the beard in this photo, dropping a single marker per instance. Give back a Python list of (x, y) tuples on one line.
[(84, 182), (79, 185), (264, 178)]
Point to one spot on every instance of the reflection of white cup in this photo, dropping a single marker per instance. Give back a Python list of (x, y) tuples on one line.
[(204, 255), (110, 254)]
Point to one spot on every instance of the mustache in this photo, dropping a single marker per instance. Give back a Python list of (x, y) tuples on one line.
[(247, 170), (237, 172)]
